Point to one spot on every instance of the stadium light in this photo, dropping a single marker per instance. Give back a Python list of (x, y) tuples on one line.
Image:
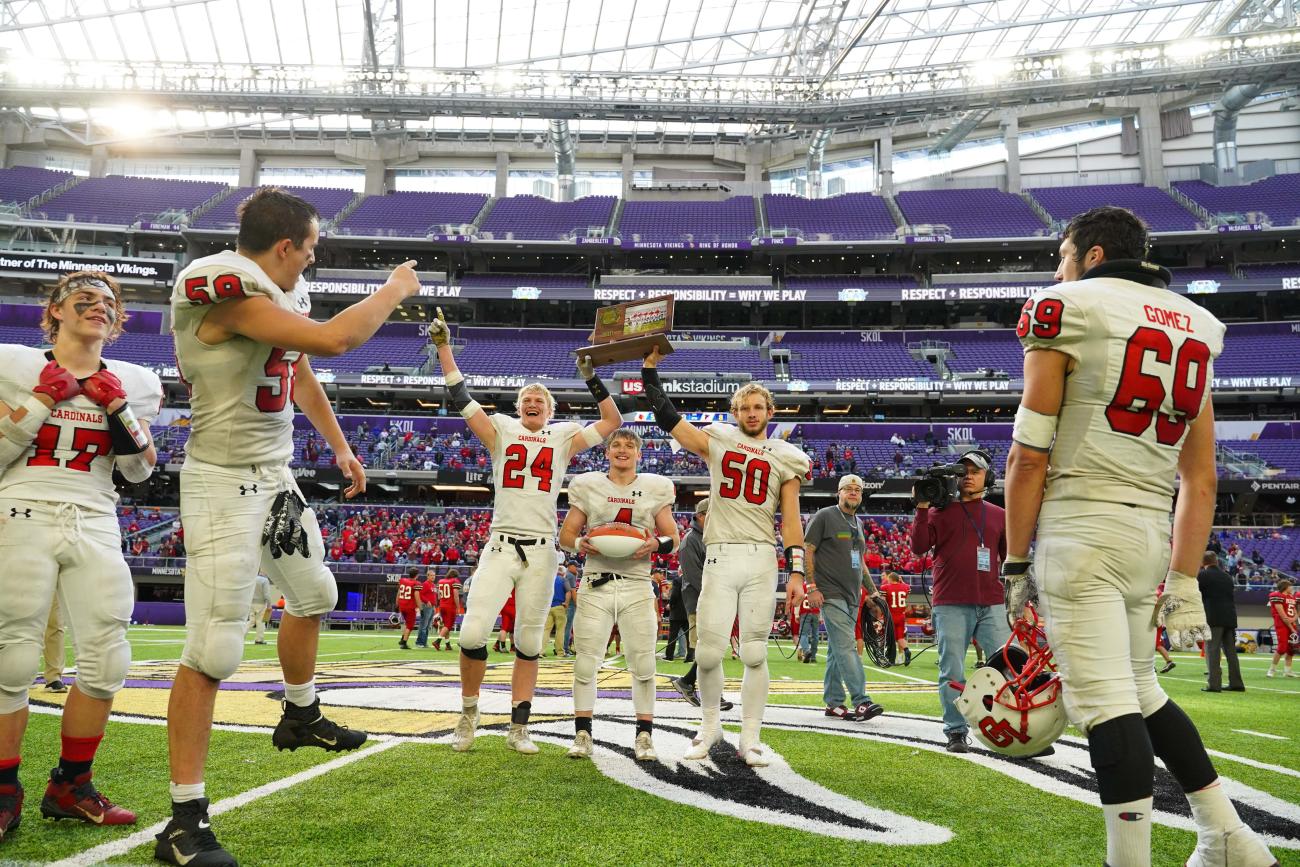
[(1188, 49)]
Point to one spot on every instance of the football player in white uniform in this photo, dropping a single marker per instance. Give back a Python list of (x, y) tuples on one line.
[(1116, 403), (242, 343), (68, 416), (618, 592), (529, 456), (749, 477)]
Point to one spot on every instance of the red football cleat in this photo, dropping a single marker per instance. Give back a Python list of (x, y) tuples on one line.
[(80, 800), (11, 809)]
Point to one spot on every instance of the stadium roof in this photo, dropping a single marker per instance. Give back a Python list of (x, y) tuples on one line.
[(616, 65)]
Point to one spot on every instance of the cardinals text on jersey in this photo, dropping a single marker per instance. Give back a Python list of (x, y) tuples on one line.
[(745, 478), (241, 391), (527, 472), (70, 460), (636, 503), (1144, 361)]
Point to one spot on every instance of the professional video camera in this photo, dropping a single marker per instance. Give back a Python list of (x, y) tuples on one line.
[(939, 485)]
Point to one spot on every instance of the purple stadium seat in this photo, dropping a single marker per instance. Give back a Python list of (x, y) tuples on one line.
[(535, 218), (1155, 206), (22, 183), (412, 214), (1278, 196), (328, 202), (121, 201), (852, 216), (732, 220), (972, 213)]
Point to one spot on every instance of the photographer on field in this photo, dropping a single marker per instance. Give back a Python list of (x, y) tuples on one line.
[(969, 541)]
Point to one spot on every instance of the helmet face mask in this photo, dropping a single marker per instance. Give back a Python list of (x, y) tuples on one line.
[(1013, 703)]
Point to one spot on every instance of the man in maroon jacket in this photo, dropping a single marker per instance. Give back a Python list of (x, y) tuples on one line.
[(969, 542)]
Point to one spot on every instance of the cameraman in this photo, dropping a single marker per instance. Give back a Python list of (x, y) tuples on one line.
[(969, 541)]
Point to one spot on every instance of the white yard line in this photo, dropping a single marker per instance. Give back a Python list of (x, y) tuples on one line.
[(1251, 687), (122, 845), (1262, 735), (1263, 766), (903, 676)]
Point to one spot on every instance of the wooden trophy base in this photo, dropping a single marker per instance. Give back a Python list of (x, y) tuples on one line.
[(625, 350)]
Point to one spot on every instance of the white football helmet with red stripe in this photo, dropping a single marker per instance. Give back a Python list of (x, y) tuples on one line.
[(1013, 702)]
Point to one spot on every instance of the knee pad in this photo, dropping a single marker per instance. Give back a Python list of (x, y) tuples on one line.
[(528, 642), (708, 653), (642, 666), (101, 673), (474, 629), (311, 594), (479, 653), (18, 666), (1176, 741), (1121, 754), (215, 648), (584, 668), (753, 653)]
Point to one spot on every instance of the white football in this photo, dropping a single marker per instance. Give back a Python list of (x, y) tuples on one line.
[(617, 540)]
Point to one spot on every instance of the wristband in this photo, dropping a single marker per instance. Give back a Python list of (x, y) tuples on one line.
[(128, 436), (666, 545), (597, 389), (794, 557)]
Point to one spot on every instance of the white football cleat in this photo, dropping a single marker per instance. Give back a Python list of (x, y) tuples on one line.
[(702, 743), (644, 749), (1290, 673), (519, 741), (466, 727), (754, 755), (1272, 672), (582, 745), (1237, 848)]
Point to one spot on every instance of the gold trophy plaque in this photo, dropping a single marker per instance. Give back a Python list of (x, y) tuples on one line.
[(629, 330)]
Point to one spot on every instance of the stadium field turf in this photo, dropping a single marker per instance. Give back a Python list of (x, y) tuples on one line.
[(882, 792)]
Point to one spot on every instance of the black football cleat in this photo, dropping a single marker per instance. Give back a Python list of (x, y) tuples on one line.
[(188, 841), (11, 809), (308, 727)]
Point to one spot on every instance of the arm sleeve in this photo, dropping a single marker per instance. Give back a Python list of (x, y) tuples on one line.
[(1053, 319)]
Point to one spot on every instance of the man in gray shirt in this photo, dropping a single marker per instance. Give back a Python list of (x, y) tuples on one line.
[(836, 550), (690, 558)]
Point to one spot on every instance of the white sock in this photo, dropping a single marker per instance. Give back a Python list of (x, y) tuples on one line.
[(182, 792), (1212, 811), (753, 701), (469, 702), (301, 694), (1128, 839), (710, 696)]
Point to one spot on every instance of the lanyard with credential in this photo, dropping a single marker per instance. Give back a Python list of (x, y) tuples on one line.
[(979, 531)]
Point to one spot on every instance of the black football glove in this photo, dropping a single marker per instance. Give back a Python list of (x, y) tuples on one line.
[(283, 530)]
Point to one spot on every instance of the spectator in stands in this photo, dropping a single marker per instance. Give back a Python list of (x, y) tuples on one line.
[(1221, 615), (969, 541)]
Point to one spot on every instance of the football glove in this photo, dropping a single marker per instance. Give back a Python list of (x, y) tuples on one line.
[(283, 530), (1180, 612), (1018, 579), (439, 333), (57, 384), (586, 370), (103, 387)]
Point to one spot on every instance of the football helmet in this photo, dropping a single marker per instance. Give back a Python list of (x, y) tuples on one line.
[(1013, 702)]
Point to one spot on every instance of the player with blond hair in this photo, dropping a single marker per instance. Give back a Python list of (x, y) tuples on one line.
[(68, 417), (529, 456), (750, 476)]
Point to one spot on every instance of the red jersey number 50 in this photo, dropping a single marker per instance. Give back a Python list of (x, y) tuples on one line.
[(744, 479)]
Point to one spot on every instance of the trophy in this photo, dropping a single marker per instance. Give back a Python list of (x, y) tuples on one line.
[(629, 330)]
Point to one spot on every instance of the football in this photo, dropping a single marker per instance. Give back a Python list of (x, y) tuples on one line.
[(617, 540)]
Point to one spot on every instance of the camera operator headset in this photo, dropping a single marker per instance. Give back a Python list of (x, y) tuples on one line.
[(968, 537)]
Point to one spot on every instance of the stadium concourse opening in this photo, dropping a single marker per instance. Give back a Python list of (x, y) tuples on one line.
[(888, 230)]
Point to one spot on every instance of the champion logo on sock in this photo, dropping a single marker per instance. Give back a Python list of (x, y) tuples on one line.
[(1132, 817)]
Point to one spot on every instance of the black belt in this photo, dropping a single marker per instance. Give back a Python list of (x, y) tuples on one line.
[(519, 544), (605, 578)]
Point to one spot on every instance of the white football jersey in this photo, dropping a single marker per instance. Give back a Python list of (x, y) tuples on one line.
[(527, 473), (636, 503), (1144, 364), (745, 478), (71, 459), (241, 391)]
